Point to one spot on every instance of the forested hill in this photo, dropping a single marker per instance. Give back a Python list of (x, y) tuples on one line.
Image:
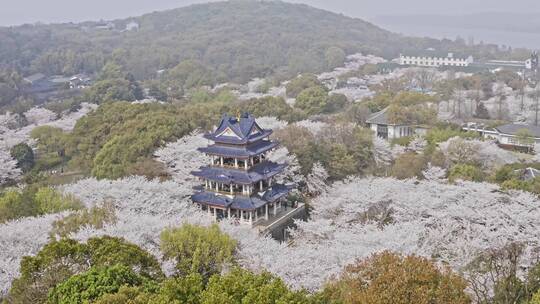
[(235, 40), (231, 41)]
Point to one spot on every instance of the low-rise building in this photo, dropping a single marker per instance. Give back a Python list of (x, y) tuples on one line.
[(515, 136), (432, 58), (380, 124)]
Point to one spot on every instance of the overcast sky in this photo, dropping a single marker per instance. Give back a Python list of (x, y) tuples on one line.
[(13, 12)]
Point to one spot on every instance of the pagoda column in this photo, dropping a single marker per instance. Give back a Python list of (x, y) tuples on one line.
[(246, 164), (261, 185), (266, 212), (229, 212), (231, 187), (256, 215), (215, 214), (275, 209), (236, 162), (221, 160), (251, 217), (208, 210)]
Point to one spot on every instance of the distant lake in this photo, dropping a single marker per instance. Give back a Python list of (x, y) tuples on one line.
[(513, 39)]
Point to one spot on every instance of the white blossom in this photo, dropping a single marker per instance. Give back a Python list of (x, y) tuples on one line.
[(9, 170), (434, 173), (39, 116), (181, 157), (316, 180), (271, 123), (486, 153)]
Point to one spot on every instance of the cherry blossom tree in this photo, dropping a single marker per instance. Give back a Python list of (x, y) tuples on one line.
[(316, 180), (8, 170)]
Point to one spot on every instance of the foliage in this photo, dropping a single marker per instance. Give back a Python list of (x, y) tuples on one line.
[(392, 278), (272, 106), (465, 172), (24, 155), (197, 249), (412, 108), (241, 286), (301, 83), (59, 260), (312, 100), (96, 282), (32, 201), (342, 149), (408, 165), (95, 217), (50, 201)]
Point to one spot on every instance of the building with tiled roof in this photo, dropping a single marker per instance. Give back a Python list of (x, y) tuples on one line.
[(240, 182)]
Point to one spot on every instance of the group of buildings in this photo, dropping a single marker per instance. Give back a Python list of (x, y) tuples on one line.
[(436, 59)]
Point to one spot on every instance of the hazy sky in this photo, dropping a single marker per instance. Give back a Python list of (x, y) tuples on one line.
[(14, 12)]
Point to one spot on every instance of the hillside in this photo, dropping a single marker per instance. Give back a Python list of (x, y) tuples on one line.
[(234, 40)]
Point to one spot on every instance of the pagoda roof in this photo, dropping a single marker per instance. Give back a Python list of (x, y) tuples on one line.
[(238, 130), (236, 151), (225, 175), (241, 202)]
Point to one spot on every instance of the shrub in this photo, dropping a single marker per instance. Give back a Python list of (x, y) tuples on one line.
[(197, 249), (391, 278), (408, 165), (465, 172)]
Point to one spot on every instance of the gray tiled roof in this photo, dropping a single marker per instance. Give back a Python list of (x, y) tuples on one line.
[(513, 129), (241, 202), (379, 118), (240, 151), (243, 127)]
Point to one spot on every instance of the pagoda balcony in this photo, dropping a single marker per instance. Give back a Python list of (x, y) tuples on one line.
[(239, 151), (259, 172)]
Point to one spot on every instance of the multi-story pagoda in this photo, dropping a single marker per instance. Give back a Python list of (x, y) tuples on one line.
[(240, 182)]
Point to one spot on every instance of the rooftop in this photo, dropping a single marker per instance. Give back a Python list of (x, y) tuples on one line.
[(378, 118), (238, 130), (436, 54), (241, 202), (240, 151), (514, 129)]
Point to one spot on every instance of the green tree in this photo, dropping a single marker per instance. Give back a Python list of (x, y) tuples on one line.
[(59, 260), (465, 172), (312, 100), (50, 201), (391, 278), (336, 103), (197, 249), (24, 155), (298, 84), (334, 57), (96, 282), (15, 204), (340, 163), (408, 165), (241, 286)]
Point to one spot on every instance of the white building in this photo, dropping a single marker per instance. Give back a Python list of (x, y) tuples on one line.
[(431, 58), (378, 123), (509, 135)]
